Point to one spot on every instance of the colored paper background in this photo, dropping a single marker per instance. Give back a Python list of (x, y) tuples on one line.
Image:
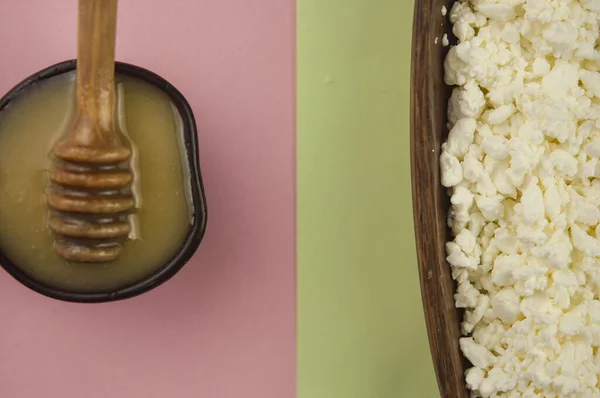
[(360, 325), (225, 326)]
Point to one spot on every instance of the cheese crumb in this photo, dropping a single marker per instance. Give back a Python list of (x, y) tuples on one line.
[(445, 41), (522, 164)]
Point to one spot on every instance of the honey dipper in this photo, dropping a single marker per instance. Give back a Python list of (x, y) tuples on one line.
[(90, 194)]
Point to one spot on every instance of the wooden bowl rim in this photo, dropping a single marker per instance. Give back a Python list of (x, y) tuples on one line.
[(430, 199)]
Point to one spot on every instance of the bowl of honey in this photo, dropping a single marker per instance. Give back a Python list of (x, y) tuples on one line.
[(169, 217)]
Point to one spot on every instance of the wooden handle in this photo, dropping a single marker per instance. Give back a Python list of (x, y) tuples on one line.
[(95, 126)]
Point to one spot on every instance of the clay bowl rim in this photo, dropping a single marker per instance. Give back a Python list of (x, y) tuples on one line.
[(199, 220)]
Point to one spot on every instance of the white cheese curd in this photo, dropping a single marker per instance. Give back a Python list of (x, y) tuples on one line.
[(522, 162)]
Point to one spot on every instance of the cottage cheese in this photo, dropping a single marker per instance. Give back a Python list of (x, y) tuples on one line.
[(522, 164)]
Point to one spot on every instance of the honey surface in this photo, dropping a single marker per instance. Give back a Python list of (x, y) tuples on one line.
[(30, 126)]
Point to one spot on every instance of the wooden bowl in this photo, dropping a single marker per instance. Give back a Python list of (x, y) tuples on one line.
[(429, 102)]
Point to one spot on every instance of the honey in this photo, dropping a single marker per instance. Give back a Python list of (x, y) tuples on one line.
[(30, 126)]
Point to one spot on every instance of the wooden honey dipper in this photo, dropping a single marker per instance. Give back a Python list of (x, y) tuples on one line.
[(90, 194)]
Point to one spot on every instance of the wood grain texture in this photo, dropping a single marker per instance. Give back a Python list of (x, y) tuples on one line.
[(97, 29), (429, 100), (87, 178)]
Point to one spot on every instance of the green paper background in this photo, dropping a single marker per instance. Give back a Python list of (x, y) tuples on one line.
[(361, 331)]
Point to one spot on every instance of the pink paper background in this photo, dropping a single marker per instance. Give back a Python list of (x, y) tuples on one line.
[(224, 327)]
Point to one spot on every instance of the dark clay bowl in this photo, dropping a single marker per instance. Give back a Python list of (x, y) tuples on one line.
[(196, 232)]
